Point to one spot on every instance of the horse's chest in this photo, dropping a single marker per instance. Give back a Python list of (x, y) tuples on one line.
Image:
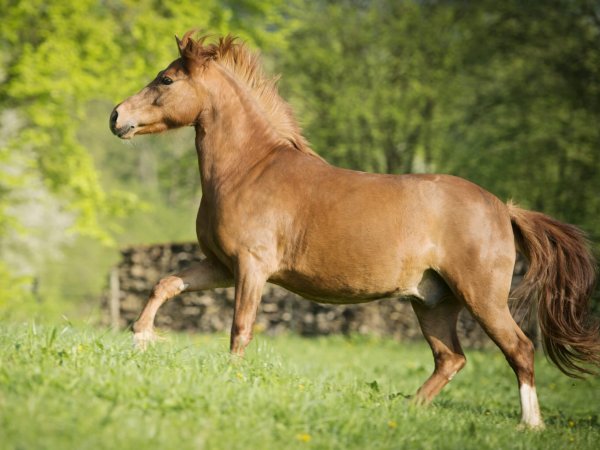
[(227, 233)]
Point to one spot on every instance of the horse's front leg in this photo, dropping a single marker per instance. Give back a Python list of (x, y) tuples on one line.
[(207, 274), (249, 283)]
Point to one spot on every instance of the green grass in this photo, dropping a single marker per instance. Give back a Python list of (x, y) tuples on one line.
[(68, 387)]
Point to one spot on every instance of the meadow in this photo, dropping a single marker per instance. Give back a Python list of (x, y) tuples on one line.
[(64, 387)]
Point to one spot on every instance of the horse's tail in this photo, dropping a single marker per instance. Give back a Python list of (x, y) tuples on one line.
[(560, 281)]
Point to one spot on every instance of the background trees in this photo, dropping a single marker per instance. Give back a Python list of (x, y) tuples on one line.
[(506, 94)]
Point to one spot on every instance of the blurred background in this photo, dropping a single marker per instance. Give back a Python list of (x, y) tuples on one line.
[(506, 94)]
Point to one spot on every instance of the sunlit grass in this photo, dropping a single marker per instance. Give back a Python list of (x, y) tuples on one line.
[(64, 387)]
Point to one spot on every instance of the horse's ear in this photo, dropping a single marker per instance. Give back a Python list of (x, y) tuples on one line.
[(186, 41), (179, 45), (184, 46)]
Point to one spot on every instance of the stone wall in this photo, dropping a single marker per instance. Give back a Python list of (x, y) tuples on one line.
[(280, 311)]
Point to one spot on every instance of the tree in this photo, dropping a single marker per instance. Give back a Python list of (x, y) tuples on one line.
[(366, 78)]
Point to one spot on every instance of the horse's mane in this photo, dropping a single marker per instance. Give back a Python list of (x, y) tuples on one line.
[(247, 67)]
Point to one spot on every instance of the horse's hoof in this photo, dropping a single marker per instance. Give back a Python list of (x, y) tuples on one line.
[(535, 426), (142, 339), (418, 400)]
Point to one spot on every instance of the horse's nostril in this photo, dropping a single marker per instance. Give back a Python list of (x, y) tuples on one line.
[(113, 118)]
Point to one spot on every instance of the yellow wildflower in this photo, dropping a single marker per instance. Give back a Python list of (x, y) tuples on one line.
[(304, 437)]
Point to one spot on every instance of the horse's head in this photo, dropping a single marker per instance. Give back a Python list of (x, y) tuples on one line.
[(175, 98), (197, 87)]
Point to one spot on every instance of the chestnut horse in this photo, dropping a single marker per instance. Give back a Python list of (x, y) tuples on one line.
[(273, 211)]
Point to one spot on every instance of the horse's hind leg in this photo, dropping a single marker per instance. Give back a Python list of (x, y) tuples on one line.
[(438, 325), (487, 300), (205, 275), (519, 352)]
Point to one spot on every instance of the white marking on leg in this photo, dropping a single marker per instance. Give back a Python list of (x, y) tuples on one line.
[(451, 375), (530, 408)]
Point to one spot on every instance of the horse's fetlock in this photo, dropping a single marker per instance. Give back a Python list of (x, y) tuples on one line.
[(243, 337), (137, 327)]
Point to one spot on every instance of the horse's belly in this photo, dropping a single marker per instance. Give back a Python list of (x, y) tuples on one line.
[(342, 288), (326, 294)]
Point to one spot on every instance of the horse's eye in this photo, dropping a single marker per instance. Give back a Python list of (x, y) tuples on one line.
[(166, 80)]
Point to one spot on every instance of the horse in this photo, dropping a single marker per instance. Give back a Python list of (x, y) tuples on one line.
[(272, 210)]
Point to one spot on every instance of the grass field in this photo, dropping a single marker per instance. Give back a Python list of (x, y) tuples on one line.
[(83, 388)]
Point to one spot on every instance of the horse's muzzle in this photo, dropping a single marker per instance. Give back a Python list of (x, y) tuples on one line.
[(118, 131)]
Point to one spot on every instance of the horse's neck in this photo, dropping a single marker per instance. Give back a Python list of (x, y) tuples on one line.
[(234, 137)]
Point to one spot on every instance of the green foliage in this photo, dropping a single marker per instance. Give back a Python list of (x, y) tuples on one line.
[(87, 389), (54, 56), (15, 292), (364, 77)]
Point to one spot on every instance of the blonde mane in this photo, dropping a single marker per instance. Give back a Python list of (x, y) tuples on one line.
[(247, 68)]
